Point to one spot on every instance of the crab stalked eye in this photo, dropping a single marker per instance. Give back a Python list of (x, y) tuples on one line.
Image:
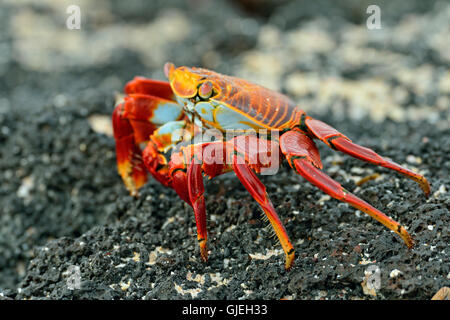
[(169, 67), (205, 90)]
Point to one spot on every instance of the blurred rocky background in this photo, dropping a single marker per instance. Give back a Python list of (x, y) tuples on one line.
[(63, 204)]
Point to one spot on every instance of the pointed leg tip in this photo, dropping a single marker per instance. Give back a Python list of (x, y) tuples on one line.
[(131, 187), (406, 237), (410, 244), (204, 251), (204, 256), (425, 185), (134, 194), (289, 260)]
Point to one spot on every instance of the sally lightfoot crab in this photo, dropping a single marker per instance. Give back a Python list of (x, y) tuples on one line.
[(156, 117)]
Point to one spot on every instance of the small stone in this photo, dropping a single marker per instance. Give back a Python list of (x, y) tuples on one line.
[(25, 188), (101, 124), (395, 273)]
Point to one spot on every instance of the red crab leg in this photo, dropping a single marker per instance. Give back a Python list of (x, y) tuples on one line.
[(212, 168), (258, 191), (196, 195), (298, 157), (338, 141), (187, 181)]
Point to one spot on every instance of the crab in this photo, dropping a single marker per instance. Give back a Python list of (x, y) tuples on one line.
[(158, 117)]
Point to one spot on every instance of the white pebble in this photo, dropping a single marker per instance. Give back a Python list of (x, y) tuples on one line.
[(394, 273)]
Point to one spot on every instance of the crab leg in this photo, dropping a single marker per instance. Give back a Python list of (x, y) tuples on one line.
[(196, 196), (214, 156), (298, 156), (258, 191), (338, 141), (187, 180)]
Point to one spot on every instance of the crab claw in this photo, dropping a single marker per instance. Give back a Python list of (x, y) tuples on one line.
[(129, 158), (148, 105)]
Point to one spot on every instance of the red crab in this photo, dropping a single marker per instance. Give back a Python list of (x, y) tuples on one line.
[(161, 116)]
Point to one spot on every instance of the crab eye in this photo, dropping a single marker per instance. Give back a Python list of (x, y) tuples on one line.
[(205, 90), (169, 67)]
